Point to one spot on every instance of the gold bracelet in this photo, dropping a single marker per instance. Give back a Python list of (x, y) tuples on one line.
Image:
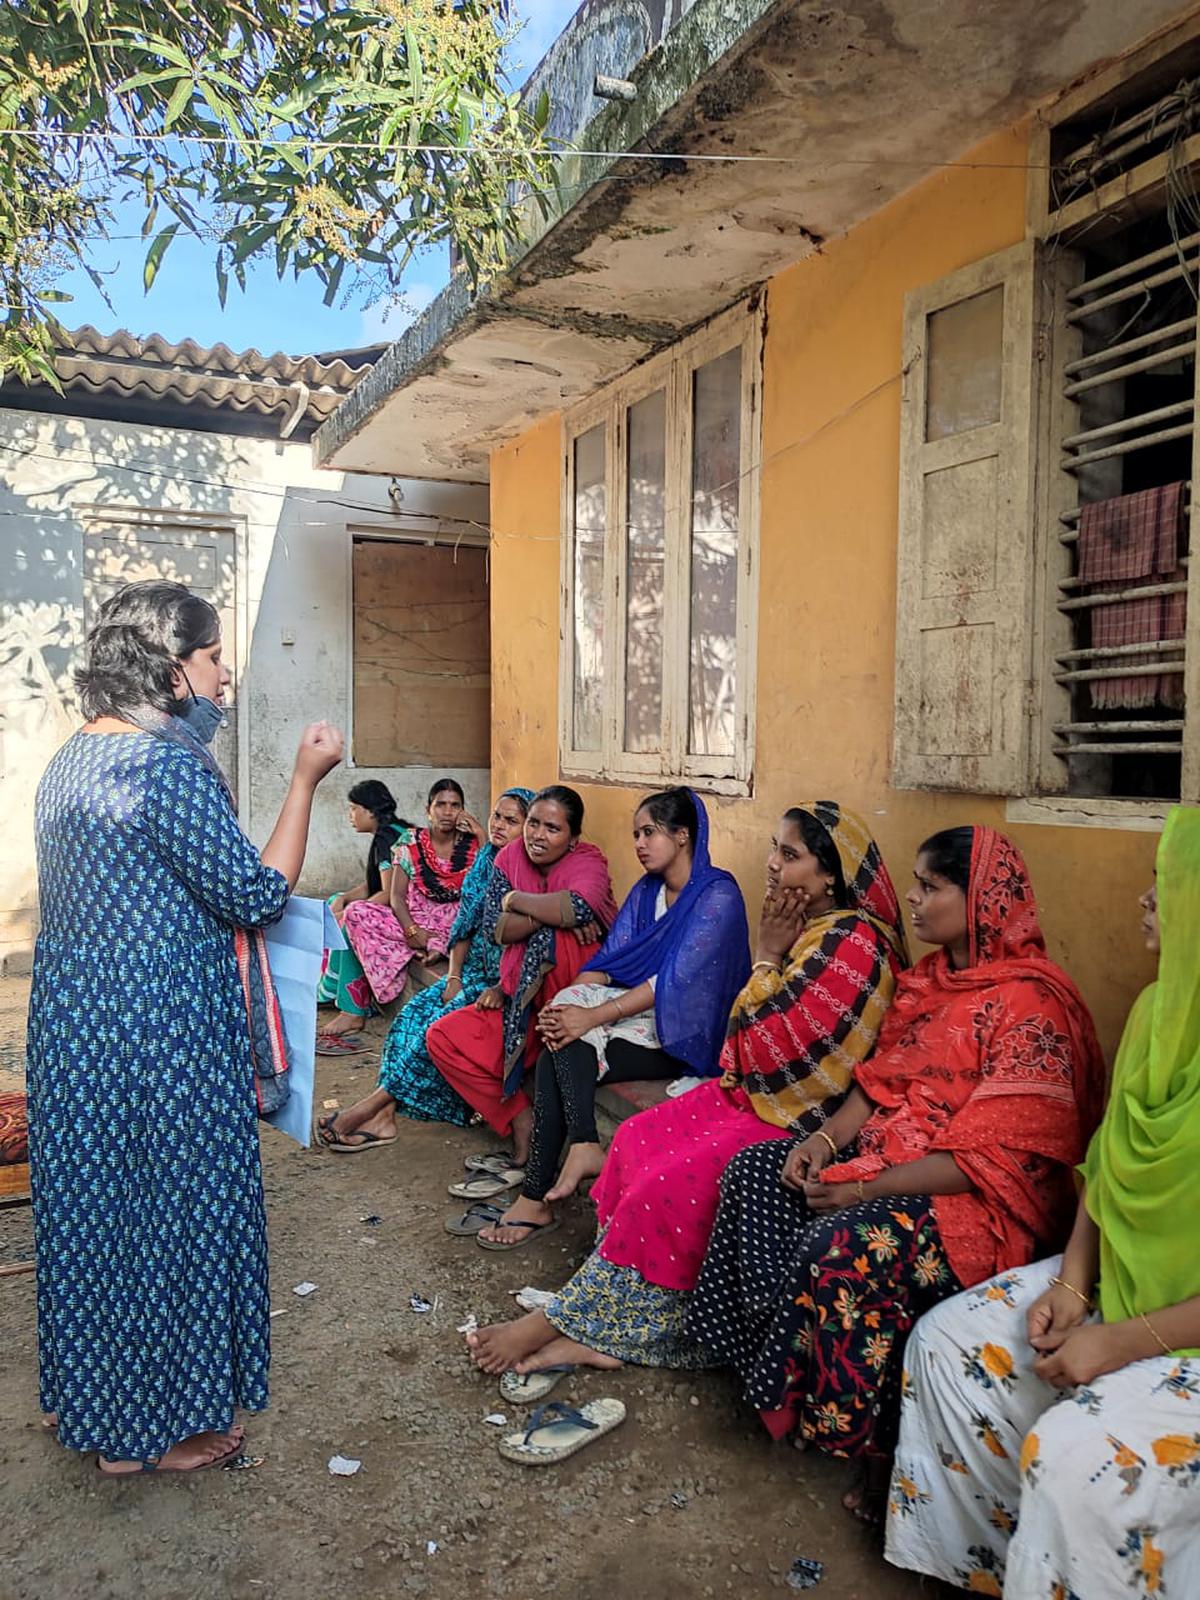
[(821, 1134), (1161, 1342), (862, 1198), (504, 903), (616, 1002), (771, 966), (1078, 1293)]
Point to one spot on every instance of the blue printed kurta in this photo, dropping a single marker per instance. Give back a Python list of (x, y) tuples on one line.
[(151, 1237)]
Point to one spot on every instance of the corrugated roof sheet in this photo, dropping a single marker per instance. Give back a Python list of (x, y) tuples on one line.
[(296, 393)]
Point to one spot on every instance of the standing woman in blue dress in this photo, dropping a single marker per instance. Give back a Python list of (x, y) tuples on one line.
[(147, 1187)]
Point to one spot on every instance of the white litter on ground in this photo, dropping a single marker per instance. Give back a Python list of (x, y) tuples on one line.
[(469, 1326), (303, 1289), (530, 1299), (497, 1419), (343, 1466)]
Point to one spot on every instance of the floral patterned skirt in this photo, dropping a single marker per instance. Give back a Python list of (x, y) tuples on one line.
[(618, 1312), (1005, 1486), (812, 1309)]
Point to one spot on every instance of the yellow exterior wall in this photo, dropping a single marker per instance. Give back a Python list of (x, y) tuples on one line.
[(827, 587)]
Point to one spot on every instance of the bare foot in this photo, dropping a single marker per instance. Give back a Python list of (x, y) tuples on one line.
[(342, 1022), (383, 1125), (374, 1113), (564, 1352), (583, 1161), (50, 1420), (521, 1210), (867, 1499), (500, 1347), (522, 1134), (189, 1455)]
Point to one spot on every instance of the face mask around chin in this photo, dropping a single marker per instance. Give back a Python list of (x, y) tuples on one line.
[(203, 717)]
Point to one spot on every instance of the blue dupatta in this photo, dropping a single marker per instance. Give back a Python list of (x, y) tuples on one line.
[(700, 950)]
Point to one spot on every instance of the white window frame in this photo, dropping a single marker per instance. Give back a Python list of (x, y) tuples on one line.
[(742, 327)]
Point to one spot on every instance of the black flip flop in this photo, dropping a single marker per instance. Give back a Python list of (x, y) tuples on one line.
[(481, 1215), (341, 1147), (533, 1230)]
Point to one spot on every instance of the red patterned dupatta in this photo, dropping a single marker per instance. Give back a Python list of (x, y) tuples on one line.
[(999, 1065)]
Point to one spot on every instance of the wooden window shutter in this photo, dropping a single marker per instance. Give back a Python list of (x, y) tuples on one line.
[(965, 580)]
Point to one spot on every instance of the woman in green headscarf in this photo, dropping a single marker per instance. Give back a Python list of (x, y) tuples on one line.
[(997, 1489)]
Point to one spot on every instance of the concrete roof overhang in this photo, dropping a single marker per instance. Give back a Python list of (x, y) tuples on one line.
[(853, 101)]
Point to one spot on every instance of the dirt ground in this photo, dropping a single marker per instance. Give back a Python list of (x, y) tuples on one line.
[(687, 1498)]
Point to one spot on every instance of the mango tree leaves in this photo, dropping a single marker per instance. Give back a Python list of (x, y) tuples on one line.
[(321, 136)]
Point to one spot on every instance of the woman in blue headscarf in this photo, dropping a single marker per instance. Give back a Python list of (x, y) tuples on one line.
[(653, 1003), (409, 1083)]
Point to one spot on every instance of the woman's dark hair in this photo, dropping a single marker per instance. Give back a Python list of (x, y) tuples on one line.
[(441, 786), (571, 803), (672, 809), (140, 635), (816, 837), (376, 798), (948, 853)]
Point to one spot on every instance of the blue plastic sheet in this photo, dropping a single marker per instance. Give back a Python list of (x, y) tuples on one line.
[(295, 946)]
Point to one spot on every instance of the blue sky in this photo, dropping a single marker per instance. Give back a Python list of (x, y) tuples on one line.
[(271, 315)]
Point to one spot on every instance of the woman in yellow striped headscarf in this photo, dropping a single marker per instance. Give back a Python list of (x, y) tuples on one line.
[(830, 947)]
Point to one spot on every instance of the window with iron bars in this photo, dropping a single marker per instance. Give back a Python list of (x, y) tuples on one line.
[(1123, 257)]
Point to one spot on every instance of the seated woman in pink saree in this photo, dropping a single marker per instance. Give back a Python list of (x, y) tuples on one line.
[(429, 866)]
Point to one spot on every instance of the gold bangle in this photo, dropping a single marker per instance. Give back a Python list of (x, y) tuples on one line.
[(615, 1001), (504, 903), (771, 966), (1159, 1340), (862, 1198), (1078, 1293), (821, 1134)]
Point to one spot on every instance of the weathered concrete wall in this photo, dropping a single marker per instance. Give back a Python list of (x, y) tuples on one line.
[(295, 582), (827, 592), (604, 36)]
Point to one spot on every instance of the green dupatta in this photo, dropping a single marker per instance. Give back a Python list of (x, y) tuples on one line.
[(1144, 1161)]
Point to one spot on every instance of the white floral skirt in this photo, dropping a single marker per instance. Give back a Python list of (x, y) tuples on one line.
[(1005, 1487)]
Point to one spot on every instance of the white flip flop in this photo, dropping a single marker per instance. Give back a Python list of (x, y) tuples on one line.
[(486, 1185), (527, 1388), (557, 1430)]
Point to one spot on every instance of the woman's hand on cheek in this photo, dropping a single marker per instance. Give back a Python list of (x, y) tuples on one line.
[(783, 917)]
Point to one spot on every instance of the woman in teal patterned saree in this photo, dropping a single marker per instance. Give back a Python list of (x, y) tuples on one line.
[(409, 1083)]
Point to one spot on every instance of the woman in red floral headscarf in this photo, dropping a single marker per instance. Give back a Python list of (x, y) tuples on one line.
[(950, 1160)]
